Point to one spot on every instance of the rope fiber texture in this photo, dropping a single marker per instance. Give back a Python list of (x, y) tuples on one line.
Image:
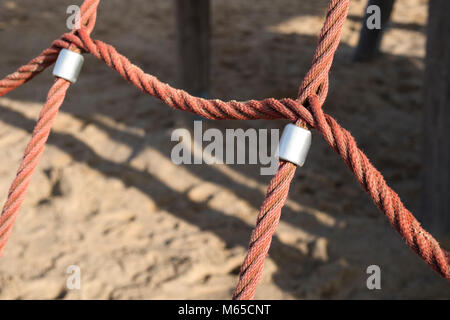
[(305, 111)]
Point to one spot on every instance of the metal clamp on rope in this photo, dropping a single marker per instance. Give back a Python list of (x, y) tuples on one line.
[(294, 144), (68, 65)]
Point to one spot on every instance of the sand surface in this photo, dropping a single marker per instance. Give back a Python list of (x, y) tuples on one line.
[(107, 197)]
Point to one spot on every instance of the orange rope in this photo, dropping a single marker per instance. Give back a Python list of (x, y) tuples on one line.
[(304, 111)]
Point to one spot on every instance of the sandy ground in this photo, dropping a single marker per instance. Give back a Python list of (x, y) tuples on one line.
[(107, 197)]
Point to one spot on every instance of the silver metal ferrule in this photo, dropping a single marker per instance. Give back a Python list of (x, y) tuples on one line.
[(68, 65), (294, 144)]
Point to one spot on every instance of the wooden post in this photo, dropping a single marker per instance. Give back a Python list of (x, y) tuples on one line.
[(435, 213), (370, 39), (193, 40)]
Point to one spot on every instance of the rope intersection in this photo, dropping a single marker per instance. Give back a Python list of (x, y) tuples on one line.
[(305, 111)]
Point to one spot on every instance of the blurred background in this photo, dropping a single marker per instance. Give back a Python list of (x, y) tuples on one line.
[(107, 197)]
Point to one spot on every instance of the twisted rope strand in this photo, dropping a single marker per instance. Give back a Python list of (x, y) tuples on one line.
[(261, 238), (386, 199), (316, 80), (33, 153), (212, 109), (313, 90)]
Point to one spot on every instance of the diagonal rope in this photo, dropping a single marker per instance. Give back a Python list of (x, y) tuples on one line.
[(261, 238), (316, 80)]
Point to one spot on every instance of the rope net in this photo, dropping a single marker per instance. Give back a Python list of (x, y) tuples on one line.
[(305, 111)]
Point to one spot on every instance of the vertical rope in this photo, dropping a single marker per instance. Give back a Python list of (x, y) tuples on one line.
[(33, 153), (261, 238), (316, 80)]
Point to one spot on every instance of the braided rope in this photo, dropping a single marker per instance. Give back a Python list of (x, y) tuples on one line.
[(313, 90)]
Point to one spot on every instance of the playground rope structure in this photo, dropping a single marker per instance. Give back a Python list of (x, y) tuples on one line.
[(305, 111)]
